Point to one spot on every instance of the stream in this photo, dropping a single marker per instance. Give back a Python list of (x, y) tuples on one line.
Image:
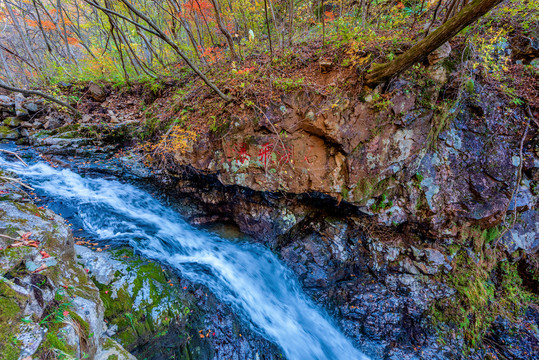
[(246, 276)]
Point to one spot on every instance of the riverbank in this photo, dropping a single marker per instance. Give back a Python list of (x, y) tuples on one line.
[(50, 306)]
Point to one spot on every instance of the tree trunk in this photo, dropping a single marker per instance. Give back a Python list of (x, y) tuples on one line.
[(24, 40), (268, 26), (473, 11), (290, 21), (217, 10)]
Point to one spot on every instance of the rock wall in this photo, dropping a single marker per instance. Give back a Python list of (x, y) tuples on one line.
[(392, 214)]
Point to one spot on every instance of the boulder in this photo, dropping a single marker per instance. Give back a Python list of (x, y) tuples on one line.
[(524, 235), (439, 54), (32, 106), (12, 122), (96, 92), (8, 134), (20, 111), (7, 104), (53, 123)]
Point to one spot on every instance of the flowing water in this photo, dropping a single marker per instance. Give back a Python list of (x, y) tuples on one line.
[(248, 277)]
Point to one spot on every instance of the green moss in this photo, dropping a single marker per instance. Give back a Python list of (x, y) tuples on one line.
[(43, 134), (9, 318), (345, 192), (367, 188), (5, 131), (65, 129), (9, 307), (485, 289), (69, 135), (27, 207), (53, 341), (489, 235)]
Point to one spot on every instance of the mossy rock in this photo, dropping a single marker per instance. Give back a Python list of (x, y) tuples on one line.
[(8, 134), (11, 121), (10, 315), (141, 299)]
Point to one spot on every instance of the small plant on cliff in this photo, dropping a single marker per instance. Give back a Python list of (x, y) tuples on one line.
[(288, 85), (176, 140)]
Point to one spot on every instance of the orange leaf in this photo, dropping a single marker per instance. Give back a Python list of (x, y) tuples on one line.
[(41, 268)]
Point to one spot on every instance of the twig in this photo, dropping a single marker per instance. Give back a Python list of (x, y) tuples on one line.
[(516, 188), (9, 237), (273, 126), (529, 111), (16, 181), (14, 154)]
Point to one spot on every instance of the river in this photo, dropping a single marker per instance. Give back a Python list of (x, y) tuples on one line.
[(244, 275)]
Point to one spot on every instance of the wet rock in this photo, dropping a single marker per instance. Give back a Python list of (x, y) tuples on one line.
[(519, 341), (44, 275), (133, 163)]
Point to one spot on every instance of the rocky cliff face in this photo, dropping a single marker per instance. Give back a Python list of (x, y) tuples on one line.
[(398, 216), (441, 169)]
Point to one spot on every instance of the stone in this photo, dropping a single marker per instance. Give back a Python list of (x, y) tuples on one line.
[(524, 235), (101, 265), (31, 336), (32, 106), (8, 134), (325, 66), (20, 111), (439, 54), (402, 103), (12, 122), (7, 104), (435, 257), (438, 73), (96, 92), (112, 350), (53, 123)]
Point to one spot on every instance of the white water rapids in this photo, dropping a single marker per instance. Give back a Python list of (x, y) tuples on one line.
[(248, 277)]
